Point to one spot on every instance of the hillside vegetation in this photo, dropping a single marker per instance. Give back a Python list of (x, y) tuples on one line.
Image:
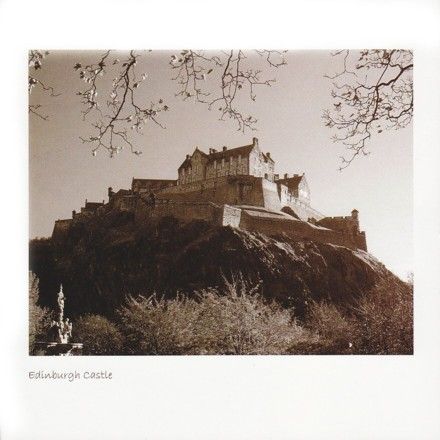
[(196, 288)]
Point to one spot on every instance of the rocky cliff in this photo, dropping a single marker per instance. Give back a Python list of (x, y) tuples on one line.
[(101, 261)]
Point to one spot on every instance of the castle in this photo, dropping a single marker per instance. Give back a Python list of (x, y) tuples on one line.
[(236, 187)]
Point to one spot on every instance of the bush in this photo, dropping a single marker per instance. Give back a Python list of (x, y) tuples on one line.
[(99, 335), (157, 326), (237, 320), (232, 320), (335, 331), (384, 320), (380, 322), (39, 317)]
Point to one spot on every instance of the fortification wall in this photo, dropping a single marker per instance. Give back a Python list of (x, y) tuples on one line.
[(182, 210), (61, 228), (148, 185), (240, 190), (300, 230), (123, 203), (340, 223), (234, 190), (270, 195), (231, 216), (303, 210)]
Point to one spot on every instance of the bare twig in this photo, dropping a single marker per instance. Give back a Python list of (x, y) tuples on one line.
[(119, 111), (373, 94), (35, 63), (194, 68)]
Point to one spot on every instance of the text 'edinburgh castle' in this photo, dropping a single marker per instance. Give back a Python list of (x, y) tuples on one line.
[(236, 187)]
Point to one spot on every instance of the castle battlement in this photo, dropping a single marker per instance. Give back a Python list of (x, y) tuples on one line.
[(230, 186)]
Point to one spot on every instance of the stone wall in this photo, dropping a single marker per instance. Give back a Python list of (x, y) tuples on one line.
[(300, 230), (260, 166), (234, 165), (241, 190), (61, 228), (182, 210), (233, 190), (124, 203), (260, 220), (231, 216), (148, 185)]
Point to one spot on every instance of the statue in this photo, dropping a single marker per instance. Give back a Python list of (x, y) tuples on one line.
[(61, 299), (60, 333), (62, 327)]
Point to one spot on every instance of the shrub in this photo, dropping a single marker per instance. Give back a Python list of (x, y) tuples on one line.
[(99, 335), (231, 320), (336, 333), (237, 320), (384, 319), (380, 322), (154, 325), (39, 317)]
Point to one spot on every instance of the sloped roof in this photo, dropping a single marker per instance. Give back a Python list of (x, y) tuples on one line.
[(292, 182), (187, 161), (226, 154)]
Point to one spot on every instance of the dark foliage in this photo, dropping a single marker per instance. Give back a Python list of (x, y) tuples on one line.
[(100, 262), (98, 335)]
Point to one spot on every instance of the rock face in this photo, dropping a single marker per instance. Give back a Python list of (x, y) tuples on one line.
[(102, 261)]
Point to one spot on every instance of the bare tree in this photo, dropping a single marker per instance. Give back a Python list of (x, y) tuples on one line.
[(194, 68), (35, 62), (371, 93), (117, 111)]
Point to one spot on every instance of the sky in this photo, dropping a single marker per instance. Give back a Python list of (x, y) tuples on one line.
[(63, 172)]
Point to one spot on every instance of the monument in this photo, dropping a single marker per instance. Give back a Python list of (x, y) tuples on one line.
[(60, 334)]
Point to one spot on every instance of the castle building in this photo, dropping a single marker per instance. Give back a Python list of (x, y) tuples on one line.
[(236, 187), (246, 160)]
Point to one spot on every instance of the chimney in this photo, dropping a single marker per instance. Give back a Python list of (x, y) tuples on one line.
[(254, 141), (187, 156), (225, 148), (355, 214), (73, 213), (86, 202), (214, 150), (268, 155), (286, 175), (276, 177), (110, 191)]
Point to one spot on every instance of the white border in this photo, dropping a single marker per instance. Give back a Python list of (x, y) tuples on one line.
[(221, 397)]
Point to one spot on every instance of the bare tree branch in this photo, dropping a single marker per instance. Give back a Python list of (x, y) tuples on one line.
[(119, 111), (35, 62), (373, 92), (194, 68)]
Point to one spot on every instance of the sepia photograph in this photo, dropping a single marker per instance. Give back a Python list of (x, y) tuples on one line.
[(220, 202), (220, 221)]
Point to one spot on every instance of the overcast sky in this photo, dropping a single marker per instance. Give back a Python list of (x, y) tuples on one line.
[(63, 172)]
